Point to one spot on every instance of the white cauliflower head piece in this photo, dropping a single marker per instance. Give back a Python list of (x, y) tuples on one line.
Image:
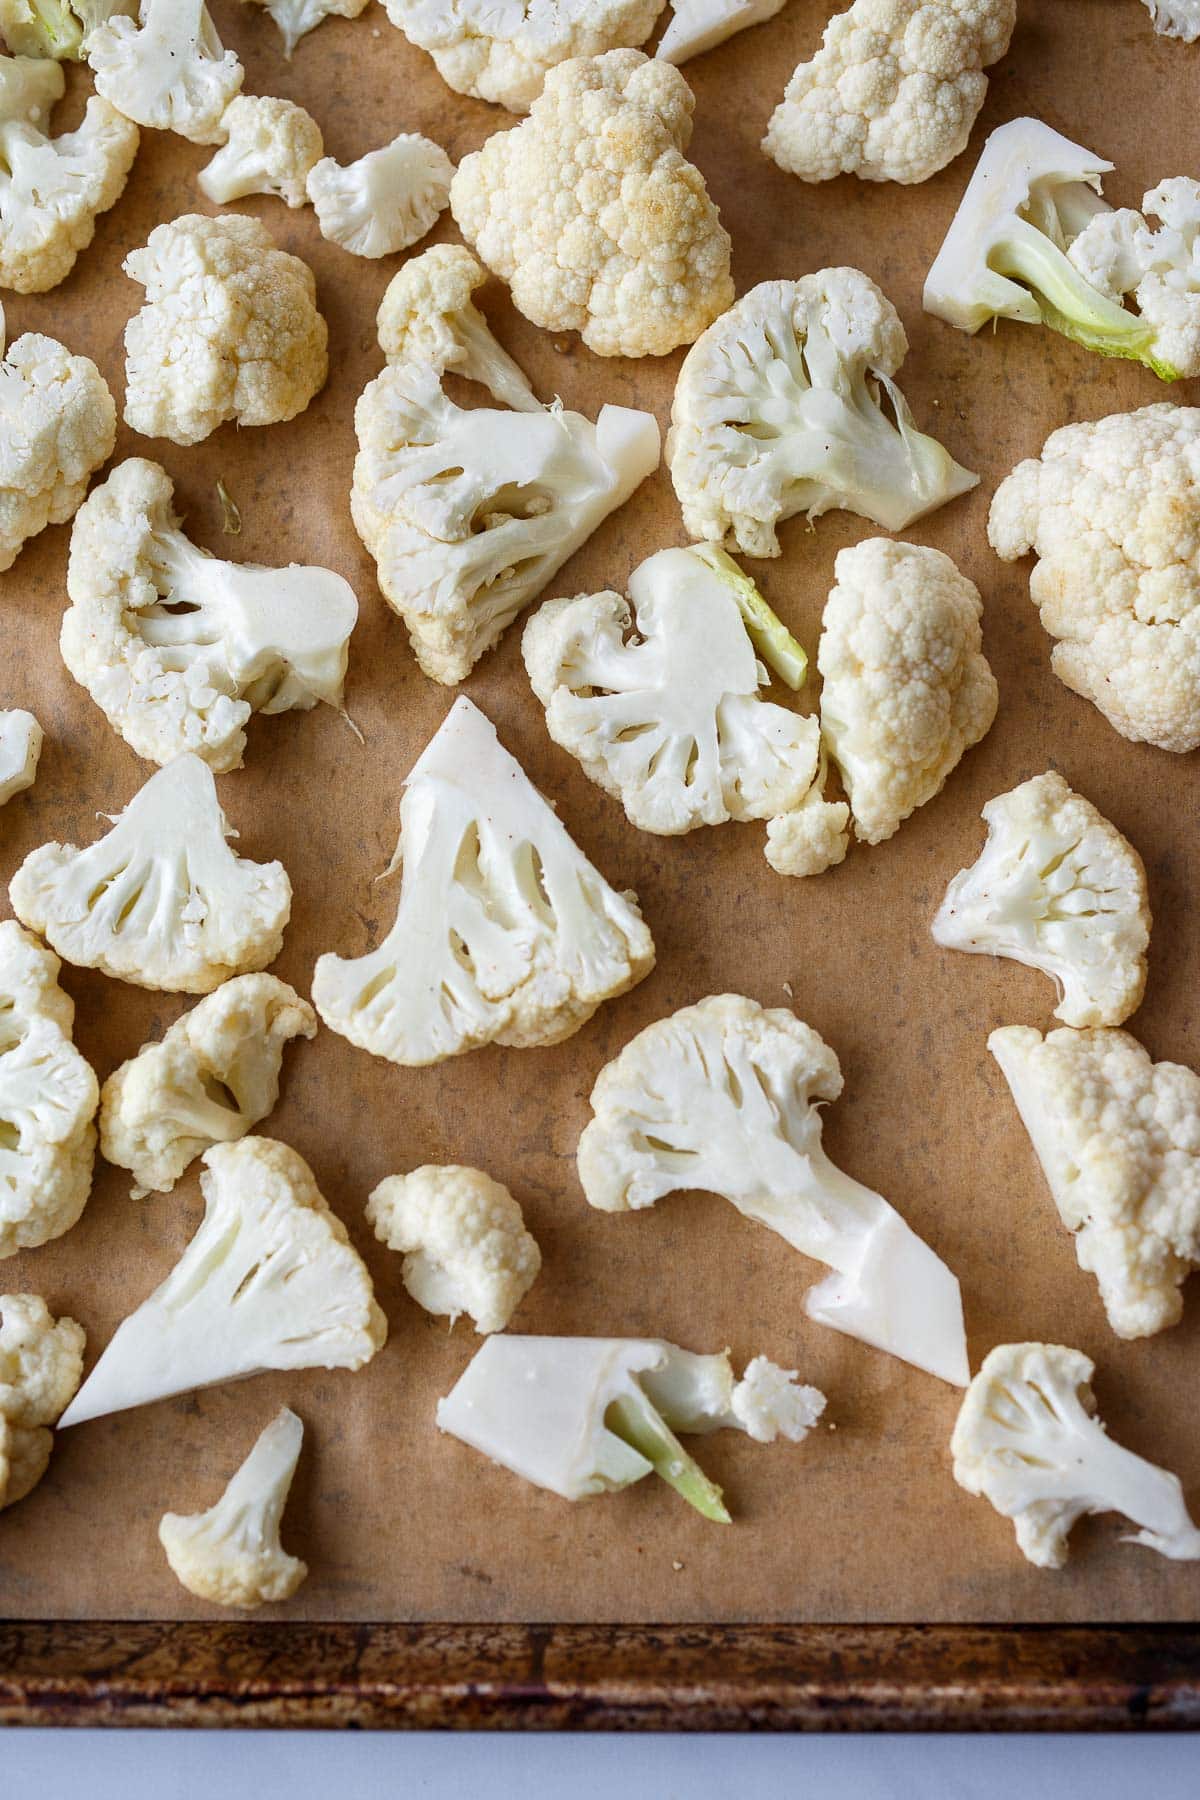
[(724, 1097), (699, 25), (779, 409), (386, 200), (167, 68), (593, 215), (1118, 1138), (906, 688), (20, 749), (232, 1555), (504, 933), (1120, 254), (229, 330), (179, 648), (209, 1080), (463, 1240), (427, 316), (295, 18), (57, 425), (1175, 18), (272, 147), (160, 900), (41, 1361)]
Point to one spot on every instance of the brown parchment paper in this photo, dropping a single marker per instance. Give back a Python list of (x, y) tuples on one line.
[(863, 1521)]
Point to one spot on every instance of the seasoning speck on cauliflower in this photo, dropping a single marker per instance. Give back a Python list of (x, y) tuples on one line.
[(463, 1240)]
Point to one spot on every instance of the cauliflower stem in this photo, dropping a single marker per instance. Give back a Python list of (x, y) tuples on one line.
[(768, 633), (640, 1425)]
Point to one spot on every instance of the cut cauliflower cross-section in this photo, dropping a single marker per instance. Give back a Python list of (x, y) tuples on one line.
[(161, 900), (724, 1096), (295, 18), (427, 316), (699, 25), (463, 1239), (504, 932), (271, 148), (210, 1080), (1118, 1137), (1120, 254), (779, 409), (232, 1554), (48, 1099), (20, 749), (167, 68), (1028, 1440), (270, 1281), (386, 200), (177, 647), (1056, 887), (41, 1361), (57, 425), (592, 213)]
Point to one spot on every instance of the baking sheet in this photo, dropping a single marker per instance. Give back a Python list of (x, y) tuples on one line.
[(862, 1522)]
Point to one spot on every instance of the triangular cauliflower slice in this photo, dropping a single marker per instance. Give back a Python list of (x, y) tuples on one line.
[(270, 1281), (57, 425), (161, 900), (1058, 888), (41, 1360), (463, 1240), (505, 932), (20, 749)]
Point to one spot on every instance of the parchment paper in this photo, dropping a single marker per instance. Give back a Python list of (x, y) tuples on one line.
[(863, 1521)]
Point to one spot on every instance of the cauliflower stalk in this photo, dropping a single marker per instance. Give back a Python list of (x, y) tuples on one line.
[(296, 18), (1056, 887), (57, 425), (779, 409), (41, 1361), (724, 1096), (504, 932), (20, 748), (231, 1555), (272, 146), (699, 25), (463, 1240), (427, 316), (179, 648), (386, 200), (167, 68)]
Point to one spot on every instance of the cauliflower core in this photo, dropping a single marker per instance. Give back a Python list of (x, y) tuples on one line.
[(592, 214), (893, 91), (386, 200), (272, 147), (230, 330), (1056, 887), (231, 1555), (463, 1240), (41, 1361), (20, 748), (57, 425), (427, 316), (167, 68), (1112, 509)]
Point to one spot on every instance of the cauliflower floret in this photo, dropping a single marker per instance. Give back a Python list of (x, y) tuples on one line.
[(56, 28), (1175, 18), (463, 1239), (48, 1099), (386, 200), (273, 146), (20, 748), (1112, 508), (232, 1554), (592, 214), (779, 410), (57, 425), (906, 686), (167, 68), (699, 25), (767, 1403), (504, 933), (812, 838), (1120, 254), (893, 91), (210, 1080), (41, 1361), (161, 900), (179, 648), (52, 188), (229, 330), (295, 18), (427, 316), (1056, 887)]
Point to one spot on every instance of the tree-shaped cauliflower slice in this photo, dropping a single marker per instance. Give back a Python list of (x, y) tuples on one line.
[(167, 68), (427, 315), (724, 1097), (232, 1554), (592, 213), (505, 932), (229, 330), (1056, 887), (779, 409), (270, 1281), (386, 200), (1028, 1440), (161, 900), (178, 647), (20, 749), (209, 1081), (463, 1240), (272, 147), (41, 1361), (48, 1099), (1118, 1138), (57, 425)]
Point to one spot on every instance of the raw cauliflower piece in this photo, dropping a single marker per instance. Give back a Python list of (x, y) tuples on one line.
[(504, 933), (229, 330), (161, 900), (209, 1080), (1120, 254), (167, 68), (295, 18), (1112, 509), (386, 200), (52, 188), (724, 1096), (893, 91), (767, 1403), (463, 1239), (1028, 1439), (592, 214), (779, 409), (41, 1361), (56, 28), (906, 686), (1118, 1138), (57, 425), (1175, 18), (468, 513), (1056, 887), (232, 1554), (48, 1099), (427, 316), (179, 648), (272, 147), (269, 1281), (699, 1394), (813, 837), (699, 25), (20, 748)]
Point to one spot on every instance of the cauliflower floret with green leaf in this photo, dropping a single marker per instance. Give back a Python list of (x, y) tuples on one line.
[(463, 1240), (427, 316), (272, 147), (167, 68), (41, 1361), (231, 1555), (592, 214), (1175, 18), (295, 18), (1120, 254), (57, 425), (386, 200), (20, 748)]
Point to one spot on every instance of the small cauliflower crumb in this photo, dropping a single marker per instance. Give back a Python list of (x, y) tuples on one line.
[(272, 147), (463, 1239)]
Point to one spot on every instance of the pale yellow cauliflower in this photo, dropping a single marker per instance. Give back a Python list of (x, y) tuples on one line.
[(427, 316), (271, 148), (463, 1240), (41, 1361), (57, 425)]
